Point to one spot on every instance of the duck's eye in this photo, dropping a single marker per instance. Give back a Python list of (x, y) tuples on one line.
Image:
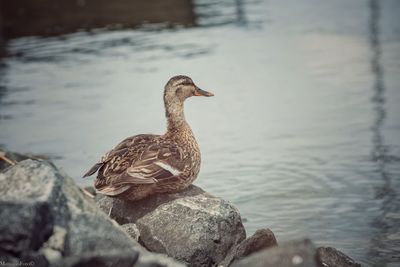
[(179, 91), (187, 83)]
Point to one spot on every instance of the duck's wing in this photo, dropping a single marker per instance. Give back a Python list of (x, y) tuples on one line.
[(121, 157), (160, 161)]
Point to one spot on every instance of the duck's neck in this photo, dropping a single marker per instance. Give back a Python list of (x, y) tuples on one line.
[(175, 116), (176, 121)]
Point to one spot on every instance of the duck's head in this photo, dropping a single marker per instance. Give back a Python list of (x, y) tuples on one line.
[(177, 90), (180, 87)]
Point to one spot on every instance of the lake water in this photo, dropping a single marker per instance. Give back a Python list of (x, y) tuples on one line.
[(303, 134)]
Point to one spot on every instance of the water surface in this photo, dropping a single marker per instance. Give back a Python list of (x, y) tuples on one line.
[(303, 134)]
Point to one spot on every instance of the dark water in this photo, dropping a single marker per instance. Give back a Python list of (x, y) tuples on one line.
[(303, 135)]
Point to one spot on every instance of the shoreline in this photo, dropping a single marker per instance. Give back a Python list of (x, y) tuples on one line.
[(62, 225)]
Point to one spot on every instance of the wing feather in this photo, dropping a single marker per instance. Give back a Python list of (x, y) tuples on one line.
[(156, 163), (113, 191), (138, 160), (94, 169)]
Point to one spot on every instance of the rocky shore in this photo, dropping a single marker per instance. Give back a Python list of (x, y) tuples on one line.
[(47, 220)]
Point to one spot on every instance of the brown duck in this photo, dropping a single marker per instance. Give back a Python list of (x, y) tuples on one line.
[(147, 164)]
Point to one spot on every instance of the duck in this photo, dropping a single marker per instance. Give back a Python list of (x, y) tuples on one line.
[(148, 164)]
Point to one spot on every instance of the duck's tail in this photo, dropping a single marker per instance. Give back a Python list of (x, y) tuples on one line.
[(94, 169), (113, 191)]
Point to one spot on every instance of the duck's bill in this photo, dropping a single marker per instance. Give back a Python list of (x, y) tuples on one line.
[(200, 92)]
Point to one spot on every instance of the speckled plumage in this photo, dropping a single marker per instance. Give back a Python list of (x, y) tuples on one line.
[(147, 164)]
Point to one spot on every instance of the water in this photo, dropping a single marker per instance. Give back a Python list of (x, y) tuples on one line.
[(303, 134)]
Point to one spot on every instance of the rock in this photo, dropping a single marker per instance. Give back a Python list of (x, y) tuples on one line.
[(292, 254), (132, 230), (114, 257), (331, 257), (27, 259), (191, 226), (57, 239), (261, 239), (53, 248), (45, 215), (18, 225), (6, 156), (90, 190)]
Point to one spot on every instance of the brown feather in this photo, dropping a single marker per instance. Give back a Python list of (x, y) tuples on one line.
[(93, 169)]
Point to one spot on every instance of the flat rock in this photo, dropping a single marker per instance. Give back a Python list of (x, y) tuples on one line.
[(191, 226), (331, 257), (45, 215), (292, 254)]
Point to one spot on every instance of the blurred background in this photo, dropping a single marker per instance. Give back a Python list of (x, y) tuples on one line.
[(303, 134)]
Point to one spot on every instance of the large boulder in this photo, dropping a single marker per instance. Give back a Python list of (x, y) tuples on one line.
[(191, 226), (44, 216)]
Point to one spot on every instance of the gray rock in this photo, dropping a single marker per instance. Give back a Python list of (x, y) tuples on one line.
[(124, 258), (52, 256), (61, 221), (261, 239), (27, 259), (18, 226), (34, 181), (132, 230), (292, 254), (191, 226), (54, 247), (91, 190), (57, 239), (15, 157), (331, 257)]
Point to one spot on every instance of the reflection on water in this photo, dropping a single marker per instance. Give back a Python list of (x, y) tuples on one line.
[(240, 11), (386, 243), (288, 136), (47, 17)]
